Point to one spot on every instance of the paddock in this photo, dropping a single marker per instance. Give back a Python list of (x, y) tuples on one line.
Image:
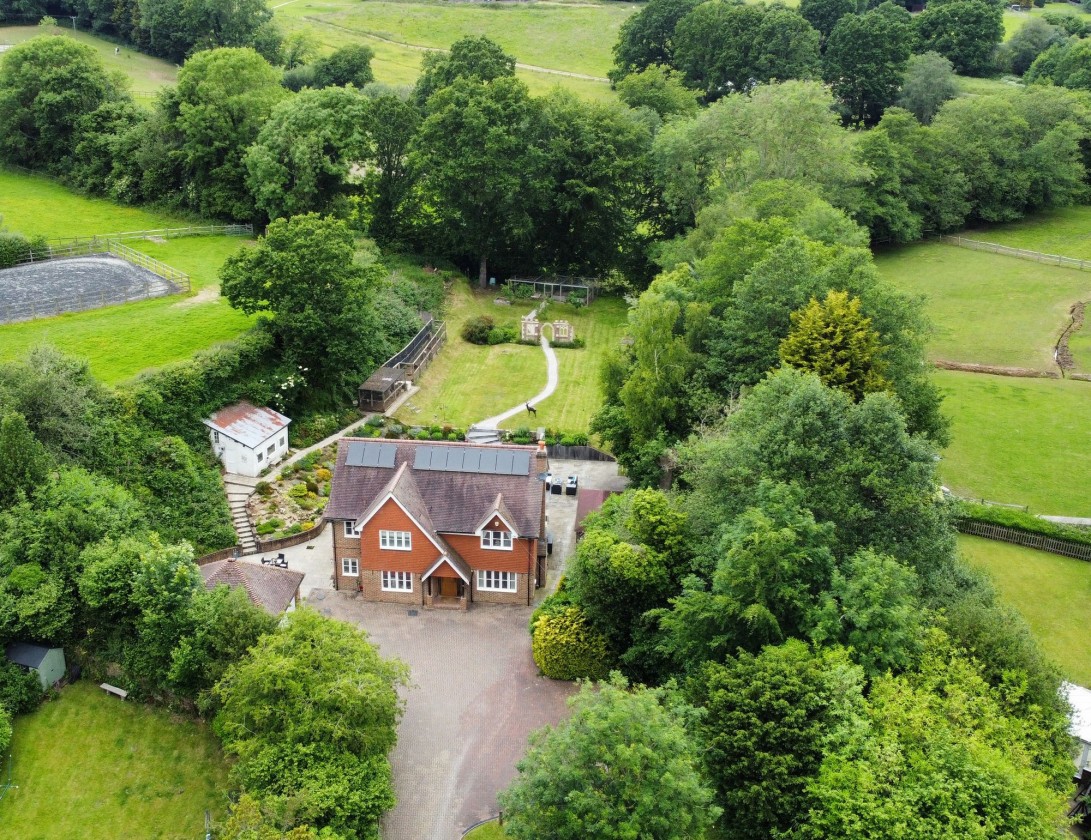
[(51, 287)]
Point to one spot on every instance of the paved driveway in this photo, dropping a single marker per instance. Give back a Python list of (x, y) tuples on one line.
[(476, 696)]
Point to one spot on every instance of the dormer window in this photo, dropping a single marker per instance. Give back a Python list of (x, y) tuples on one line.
[(496, 540)]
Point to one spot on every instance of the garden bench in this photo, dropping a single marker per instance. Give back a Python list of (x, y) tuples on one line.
[(113, 689)]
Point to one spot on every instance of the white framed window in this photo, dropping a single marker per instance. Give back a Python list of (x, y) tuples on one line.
[(497, 581), (284, 440), (350, 530), (350, 566), (496, 540), (259, 456), (215, 436), (396, 540), (397, 581), (271, 449)]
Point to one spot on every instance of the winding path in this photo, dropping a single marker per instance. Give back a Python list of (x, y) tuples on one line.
[(547, 391)]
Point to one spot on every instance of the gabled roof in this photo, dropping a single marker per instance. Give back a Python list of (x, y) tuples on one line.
[(26, 654), (454, 561), (452, 501), (268, 587), (402, 490), (499, 508), (247, 423)]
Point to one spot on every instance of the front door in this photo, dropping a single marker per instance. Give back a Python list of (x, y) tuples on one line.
[(448, 588)]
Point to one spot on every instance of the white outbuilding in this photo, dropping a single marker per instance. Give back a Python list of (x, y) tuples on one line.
[(1079, 724), (247, 439)]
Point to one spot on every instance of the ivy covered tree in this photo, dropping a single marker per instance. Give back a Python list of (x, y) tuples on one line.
[(622, 766)]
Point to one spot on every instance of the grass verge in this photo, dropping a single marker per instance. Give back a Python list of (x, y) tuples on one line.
[(91, 766), (987, 308), (487, 831), (467, 383), (1022, 441), (1065, 231), (1049, 590)]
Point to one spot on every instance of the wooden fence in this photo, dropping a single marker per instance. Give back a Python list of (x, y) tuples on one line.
[(1019, 253), (97, 246), (158, 233), (421, 349), (1066, 548), (578, 453)]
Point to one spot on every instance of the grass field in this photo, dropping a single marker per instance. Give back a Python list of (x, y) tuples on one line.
[(467, 383), (1013, 21), (488, 831), (1065, 231), (577, 38), (1049, 590), (121, 341), (91, 766), (145, 74), (1022, 441), (987, 308)]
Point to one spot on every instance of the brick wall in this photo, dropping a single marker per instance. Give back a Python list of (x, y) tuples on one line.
[(519, 559), (371, 584), (343, 547), (520, 596), (392, 518)]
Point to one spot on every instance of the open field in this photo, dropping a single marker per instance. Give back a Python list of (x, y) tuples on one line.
[(987, 308), (974, 86), (144, 72), (121, 341), (91, 766), (575, 38), (1050, 591), (1065, 232), (467, 383), (1022, 441), (1013, 21)]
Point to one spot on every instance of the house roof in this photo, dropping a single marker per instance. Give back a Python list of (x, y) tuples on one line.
[(449, 500), (267, 586), (247, 423), (26, 654), (383, 380), (590, 500)]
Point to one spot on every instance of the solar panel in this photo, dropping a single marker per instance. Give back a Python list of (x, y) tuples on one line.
[(471, 459), (370, 454)]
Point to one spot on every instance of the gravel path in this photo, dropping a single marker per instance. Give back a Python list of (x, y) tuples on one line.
[(551, 386)]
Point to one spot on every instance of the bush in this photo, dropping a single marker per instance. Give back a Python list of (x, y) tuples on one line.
[(263, 488), (436, 436), (501, 335), (576, 299), (577, 439), (306, 525), (565, 647), (453, 436), (376, 420), (298, 491), (1022, 521), (558, 602), (322, 474), (292, 530), (16, 248), (269, 526), (312, 486), (476, 330), (20, 690)]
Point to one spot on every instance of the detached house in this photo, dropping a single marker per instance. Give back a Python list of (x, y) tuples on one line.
[(247, 439), (438, 524)]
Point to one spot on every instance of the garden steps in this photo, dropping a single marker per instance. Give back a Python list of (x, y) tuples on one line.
[(475, 435), (239, 488)]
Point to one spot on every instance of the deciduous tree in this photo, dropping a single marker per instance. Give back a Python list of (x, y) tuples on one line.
[(647, 37), (965, 31), (929, 81)]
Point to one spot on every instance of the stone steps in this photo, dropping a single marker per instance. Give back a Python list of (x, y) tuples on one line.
[(475, 435)]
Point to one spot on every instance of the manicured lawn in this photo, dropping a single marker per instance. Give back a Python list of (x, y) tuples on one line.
[(145, 73), (1021, 441), (1049, 590), (467, 383), (38, 206), (488, 831), (91, 766), (1065, 232), (988, 308), (577, 38)]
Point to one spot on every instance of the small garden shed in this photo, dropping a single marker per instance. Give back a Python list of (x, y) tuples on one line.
[(46, 662), (382, 388)]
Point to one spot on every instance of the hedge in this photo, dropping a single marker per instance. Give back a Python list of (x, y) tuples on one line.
[(1022, 521), (565, 647)]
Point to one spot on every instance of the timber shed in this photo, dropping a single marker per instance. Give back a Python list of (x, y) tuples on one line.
[(46, 662), (382, 388)]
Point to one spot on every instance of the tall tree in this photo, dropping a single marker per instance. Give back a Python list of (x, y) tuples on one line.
[(479, 167), (347, 65), (965, 31), (866, 57), (47, 84), (823, 15), (1034, 37), (24, 462), (929, 82), (647, 37), (301, 159), (479, 59), (659, 88), (304, 273), (621, 767), (224, 98), (388, 183)]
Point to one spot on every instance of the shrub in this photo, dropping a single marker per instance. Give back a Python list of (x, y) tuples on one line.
[(565, 647), (453, 436), (312, 486), (263, 488), (322, 474), (576, 299), (269, 526), (376, 420), (292, 530), (374, 432), (298, 491), (476, 330), (306, 524), (558, 602), (20, 690), (15, 248), (501, 335), (577, 439), (308, 502), (436, 436)]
